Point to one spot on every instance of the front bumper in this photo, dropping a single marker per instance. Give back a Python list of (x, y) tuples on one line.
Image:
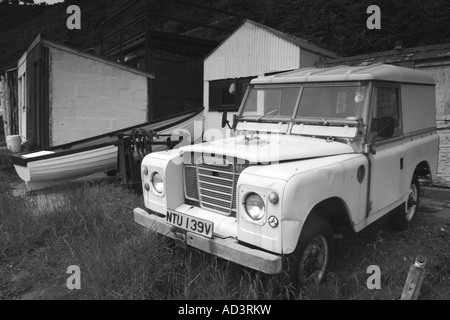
[(228, 248)]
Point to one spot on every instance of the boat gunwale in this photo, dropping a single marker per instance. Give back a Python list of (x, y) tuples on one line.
[(21, 161)]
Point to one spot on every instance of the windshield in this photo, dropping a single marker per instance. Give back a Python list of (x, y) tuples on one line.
[(318, 103), (271, 102)]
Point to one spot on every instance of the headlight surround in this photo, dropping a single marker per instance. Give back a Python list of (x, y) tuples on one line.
[(157, 183), (254, 206)]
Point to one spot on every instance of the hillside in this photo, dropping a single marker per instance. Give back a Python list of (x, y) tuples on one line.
[(20, 24), (338, 25)]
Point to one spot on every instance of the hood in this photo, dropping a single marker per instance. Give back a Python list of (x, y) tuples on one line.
[(265, 148)]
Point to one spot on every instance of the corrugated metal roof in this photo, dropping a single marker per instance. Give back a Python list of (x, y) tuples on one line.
[(302, 43), (382, 72), (441, 51)]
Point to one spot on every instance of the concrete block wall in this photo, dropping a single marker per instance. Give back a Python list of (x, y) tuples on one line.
[(89, 97)]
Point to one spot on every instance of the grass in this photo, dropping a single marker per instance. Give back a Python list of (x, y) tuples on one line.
[(91, 226), (6, 165)]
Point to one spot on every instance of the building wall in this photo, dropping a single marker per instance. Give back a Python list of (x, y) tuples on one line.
[(89, 97), (251, 51), (442, 75)]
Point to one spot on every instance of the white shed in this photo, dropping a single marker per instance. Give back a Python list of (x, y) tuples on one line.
[(252, 50), (65, 95)]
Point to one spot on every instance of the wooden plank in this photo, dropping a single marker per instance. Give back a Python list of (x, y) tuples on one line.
[(414, 280)]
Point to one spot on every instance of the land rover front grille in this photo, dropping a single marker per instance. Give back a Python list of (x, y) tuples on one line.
[(213, 186), (190, 178)]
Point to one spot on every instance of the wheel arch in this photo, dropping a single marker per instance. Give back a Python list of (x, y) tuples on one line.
[(334, 210), (423, 170)]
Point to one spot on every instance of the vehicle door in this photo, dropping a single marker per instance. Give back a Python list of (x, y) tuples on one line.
[(387, 160)]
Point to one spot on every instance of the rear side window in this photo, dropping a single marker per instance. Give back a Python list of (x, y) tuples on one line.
[(385, 104)]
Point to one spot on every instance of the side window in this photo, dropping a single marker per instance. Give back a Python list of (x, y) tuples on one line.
[(385, 104)]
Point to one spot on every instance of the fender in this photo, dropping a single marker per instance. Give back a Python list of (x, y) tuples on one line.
[(304, 184)]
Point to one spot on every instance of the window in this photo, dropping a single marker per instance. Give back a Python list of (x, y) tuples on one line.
[(332, 102), (385, 104), (306, 102), (226, 95), (271, 103)]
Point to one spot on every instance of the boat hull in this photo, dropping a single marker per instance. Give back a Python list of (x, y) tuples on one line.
[(85, 157)]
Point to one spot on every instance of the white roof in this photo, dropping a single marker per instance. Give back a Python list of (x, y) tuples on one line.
[(382, 72)]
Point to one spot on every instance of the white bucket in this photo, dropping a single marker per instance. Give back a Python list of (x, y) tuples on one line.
[(14, 143)]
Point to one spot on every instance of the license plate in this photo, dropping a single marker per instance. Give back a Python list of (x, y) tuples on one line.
[(190, 223)]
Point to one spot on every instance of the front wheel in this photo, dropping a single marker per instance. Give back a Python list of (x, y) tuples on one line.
[(405, 213), (309, 261)]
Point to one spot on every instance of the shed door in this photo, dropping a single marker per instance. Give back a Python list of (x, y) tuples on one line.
[(38, 98)]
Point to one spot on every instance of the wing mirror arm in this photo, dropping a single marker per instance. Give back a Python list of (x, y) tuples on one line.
[(235, 121), (226, 122)]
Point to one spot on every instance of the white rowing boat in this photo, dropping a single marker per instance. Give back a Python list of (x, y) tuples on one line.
[(66, 162)]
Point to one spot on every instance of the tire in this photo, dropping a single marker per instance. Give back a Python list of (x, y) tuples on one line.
[(308, 263), (406, 212)]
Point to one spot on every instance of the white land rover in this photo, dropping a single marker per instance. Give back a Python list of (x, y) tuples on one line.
[(312, 148)]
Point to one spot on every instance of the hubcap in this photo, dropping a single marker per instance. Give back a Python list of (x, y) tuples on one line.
[(411, 202), (313, 262)]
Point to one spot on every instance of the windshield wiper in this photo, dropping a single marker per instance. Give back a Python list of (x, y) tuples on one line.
[(325, 122), (267, 114)]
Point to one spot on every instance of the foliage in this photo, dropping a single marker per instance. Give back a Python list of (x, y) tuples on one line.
[(338, 25)]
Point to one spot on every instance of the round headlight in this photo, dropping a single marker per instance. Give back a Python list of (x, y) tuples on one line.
[(254, 206), (158, 183)]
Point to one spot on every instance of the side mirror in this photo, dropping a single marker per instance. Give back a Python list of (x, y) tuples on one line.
[(386, 127), (225, 121)]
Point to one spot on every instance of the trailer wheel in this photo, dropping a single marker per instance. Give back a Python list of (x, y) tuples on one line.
[(308, 263), (405, 213)]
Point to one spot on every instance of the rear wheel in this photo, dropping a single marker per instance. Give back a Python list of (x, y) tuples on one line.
[(405, 213), (309, 261)]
